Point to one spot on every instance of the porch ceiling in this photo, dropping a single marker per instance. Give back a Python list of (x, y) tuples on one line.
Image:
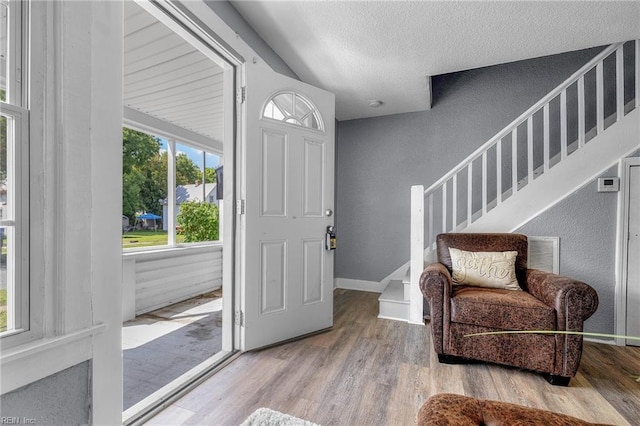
[(167, 78)]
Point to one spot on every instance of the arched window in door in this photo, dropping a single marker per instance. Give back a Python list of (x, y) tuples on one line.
[(293, 108)]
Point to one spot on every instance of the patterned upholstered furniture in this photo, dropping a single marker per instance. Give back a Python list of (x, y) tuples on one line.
[(546, 302), (449, 409)]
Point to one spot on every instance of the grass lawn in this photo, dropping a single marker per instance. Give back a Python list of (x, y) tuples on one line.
[(3, 310), (136, 239)]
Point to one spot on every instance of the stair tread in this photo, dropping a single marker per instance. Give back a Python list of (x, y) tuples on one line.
[(394, 293)]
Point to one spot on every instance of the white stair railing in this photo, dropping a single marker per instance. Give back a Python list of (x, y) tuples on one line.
[(530, 146)]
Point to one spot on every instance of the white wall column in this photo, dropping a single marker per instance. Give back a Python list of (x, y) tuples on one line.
[(104, 103)]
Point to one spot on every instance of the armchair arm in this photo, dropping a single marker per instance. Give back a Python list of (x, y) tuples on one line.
[(435, 284), (433, 279), (573, 300)]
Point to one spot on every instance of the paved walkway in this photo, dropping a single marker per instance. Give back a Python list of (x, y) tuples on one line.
[(160, 346)]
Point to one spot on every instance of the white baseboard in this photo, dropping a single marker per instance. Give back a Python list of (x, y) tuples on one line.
[(360, 285), (602, 341)]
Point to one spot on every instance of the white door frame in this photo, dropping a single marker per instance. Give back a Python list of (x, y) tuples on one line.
[(620, 319), (205, 37)]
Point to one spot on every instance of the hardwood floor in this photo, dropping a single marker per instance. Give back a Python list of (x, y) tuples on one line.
[(369, 371)]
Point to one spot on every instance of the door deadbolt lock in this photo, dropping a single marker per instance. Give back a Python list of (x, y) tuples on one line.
[(330, 238)]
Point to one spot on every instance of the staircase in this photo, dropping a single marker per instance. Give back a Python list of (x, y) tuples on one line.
[(573, 134)]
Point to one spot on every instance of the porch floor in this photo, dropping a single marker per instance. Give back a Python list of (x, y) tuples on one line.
[(160, 346)]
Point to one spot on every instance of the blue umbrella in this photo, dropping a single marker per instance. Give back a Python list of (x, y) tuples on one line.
[(149, 216)]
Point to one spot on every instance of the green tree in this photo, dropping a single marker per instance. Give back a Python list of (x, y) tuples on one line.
[(131, 194), (199, 221), (138, 152), (154, 187), (186, 170), (137, 148), (210, 175)]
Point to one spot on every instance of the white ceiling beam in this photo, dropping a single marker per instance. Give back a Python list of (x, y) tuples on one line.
[(138, 120)]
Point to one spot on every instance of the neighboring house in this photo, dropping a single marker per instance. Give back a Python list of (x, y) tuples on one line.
[(76, 256), (191, 192)]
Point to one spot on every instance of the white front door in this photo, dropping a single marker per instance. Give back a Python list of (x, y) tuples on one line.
[(287, 273)]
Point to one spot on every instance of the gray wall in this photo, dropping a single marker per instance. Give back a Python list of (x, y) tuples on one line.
[(235, 21), (586, 224), (378, 159), (61, 399)]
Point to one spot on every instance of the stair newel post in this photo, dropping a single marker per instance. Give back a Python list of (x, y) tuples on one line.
[(417, 253)]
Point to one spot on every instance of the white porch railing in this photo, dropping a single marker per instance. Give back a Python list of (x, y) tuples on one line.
[(156, 278), (553, 129)]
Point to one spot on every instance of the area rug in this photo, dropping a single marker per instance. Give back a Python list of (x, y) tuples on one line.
[(268, 417)]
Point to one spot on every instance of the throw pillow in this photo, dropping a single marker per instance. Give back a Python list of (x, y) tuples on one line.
[(485, 269)]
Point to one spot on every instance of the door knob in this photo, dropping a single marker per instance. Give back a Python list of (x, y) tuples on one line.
[(328, 213)]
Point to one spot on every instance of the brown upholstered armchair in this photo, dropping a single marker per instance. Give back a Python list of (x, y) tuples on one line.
[(546, 302), (449, 409)]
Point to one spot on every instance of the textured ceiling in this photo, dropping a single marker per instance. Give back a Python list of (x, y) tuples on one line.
[(384, 50)]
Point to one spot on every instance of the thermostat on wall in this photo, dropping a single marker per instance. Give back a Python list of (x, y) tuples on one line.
[(608, 184)]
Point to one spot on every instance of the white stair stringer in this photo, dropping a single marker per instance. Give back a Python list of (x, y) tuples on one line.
[(547, 189)]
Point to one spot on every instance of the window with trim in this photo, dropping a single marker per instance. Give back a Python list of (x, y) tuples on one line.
[(14, 173), (293, 108), (147, 206)]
